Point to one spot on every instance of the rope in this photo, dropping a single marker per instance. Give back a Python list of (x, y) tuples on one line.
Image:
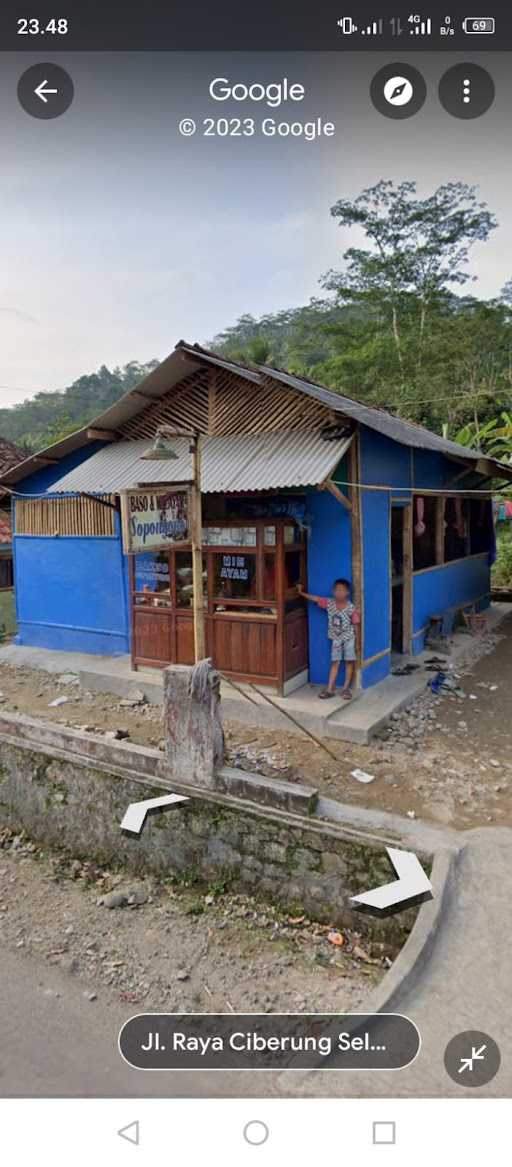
[(415, 489)]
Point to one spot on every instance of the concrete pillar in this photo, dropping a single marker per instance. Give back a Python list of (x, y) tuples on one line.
[(194, 739)]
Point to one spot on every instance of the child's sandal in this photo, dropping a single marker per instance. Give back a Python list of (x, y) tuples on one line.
[(325, 694)]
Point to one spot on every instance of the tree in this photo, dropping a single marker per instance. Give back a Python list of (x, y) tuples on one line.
[(418, 252)]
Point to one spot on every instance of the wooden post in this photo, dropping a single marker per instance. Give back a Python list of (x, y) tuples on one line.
[(407, 628), (196, 532), (354, 463)]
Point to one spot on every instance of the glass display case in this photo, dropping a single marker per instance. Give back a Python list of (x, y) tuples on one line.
[(255, 619)]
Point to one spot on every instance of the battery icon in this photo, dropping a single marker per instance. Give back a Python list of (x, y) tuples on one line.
[(482, 25)]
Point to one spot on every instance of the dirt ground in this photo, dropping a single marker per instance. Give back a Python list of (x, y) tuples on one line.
[(171, 947), (168, 946), (447, 759)]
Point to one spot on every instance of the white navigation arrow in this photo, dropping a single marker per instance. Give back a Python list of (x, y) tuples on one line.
[(477, 1055), (135, 816), (43, 90), (411, 881)]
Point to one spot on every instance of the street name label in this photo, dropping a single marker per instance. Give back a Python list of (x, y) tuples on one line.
[(275, 1041)]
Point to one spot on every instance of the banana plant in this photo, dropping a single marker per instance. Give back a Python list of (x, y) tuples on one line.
[(494, 438)]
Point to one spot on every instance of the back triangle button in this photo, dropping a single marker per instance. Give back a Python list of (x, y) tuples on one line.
[(131, 1133)]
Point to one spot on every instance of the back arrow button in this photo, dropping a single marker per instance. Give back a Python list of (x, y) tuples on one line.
[(131, 1133), (45, 91)]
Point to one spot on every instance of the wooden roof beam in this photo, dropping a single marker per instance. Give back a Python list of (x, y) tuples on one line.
[(336, 493), (95, 435)]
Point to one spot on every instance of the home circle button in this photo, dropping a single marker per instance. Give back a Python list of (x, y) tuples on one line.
[(256, 1133)]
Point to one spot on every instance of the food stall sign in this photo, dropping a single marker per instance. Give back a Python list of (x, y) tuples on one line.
[(156, 517)]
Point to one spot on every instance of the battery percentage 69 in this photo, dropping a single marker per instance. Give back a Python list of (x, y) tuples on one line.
[(483, 25)]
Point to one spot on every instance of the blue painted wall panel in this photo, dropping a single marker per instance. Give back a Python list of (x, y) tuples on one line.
[(375, 672), (432, 470), (71, 594), (457, 583), (383, 462), (329, 557)]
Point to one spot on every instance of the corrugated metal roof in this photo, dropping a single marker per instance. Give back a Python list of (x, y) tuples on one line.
[(236, 462), (385, 423)]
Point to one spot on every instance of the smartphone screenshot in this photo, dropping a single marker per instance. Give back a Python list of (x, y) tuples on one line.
[(255, 582)]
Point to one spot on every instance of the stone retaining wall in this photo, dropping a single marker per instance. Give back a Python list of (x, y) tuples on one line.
[(305, 865)]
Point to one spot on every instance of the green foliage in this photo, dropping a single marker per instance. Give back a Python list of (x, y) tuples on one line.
[(396, 328), (296, 339), (494, 438), (502, 570), (47, 417)]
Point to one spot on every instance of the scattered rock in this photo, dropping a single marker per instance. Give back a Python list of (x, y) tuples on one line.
[(362, 776), (135, 699), (114, 899), (137, 897), (58, 701)]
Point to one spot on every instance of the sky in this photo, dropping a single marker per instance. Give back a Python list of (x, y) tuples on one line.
[(118, 236)]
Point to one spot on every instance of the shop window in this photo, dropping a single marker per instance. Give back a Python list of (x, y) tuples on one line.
[(185, 579), (269, 577), (456, 532), (424, 532), (184, 584), (269, 536), (290, 534), (152, 578), (229, 536), (234, 577), (292, 568), (6, 576), (480, 522)]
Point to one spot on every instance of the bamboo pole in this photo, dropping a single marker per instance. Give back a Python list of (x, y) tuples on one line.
[(318, 741)]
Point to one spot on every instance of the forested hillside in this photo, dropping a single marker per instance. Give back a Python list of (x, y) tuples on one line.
[(43, 419)]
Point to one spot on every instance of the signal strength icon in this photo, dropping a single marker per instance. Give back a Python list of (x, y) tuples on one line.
[(373, 29), (422, 28)]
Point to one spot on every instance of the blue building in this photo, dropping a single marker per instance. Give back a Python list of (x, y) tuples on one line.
[(300, 485)]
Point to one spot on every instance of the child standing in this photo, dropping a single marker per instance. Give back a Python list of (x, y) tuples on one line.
[(343, 620)]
